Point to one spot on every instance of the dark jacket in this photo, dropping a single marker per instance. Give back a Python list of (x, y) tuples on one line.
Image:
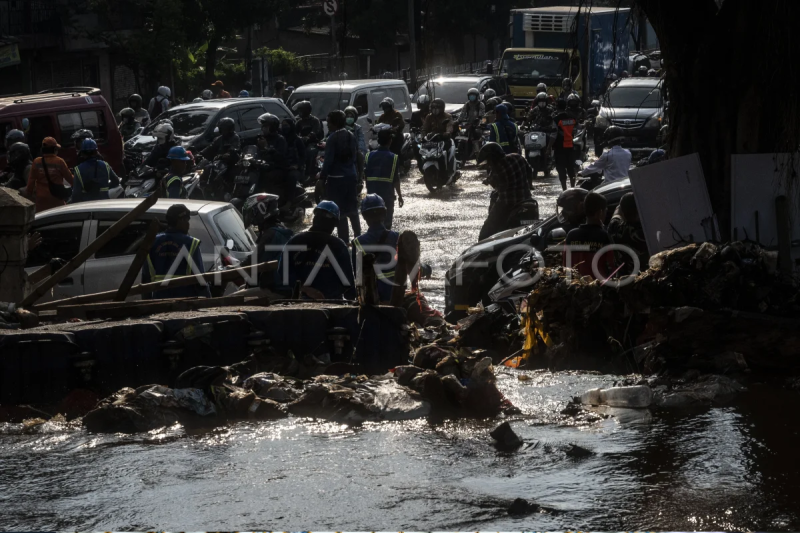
[(161, 258), (395, 119), (160, 152), (327, 280), (310, 125), (218, 146), (93, 178), (504, 133), (276, 151), (378, 235), (340, 155)]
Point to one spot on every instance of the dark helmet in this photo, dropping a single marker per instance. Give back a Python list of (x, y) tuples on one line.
[(351, 111), (541, 88), (490, 104), (88, 146), (642, 71), (135, 101), (497, 101), (489, 153), (437, 103), (489, 93), (301, 107), (270, 122), (387, 103), (226, 125), (80, 135), (570, 205), (566, 84), (474, 92), (613, 133), (541, 98), (423, 101), (652, 73), (19, 152), (573, 101), (13, 137), (259, 208), (127, 113)]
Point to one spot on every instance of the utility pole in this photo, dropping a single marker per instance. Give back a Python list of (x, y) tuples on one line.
[(412, 46), (333, 45)]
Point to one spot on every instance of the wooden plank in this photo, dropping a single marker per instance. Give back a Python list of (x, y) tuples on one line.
[(89, 251), (38, 275), (122, 310), (138, 261)]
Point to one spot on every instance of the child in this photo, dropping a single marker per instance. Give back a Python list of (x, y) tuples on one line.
[(46, 170), (593, 235)]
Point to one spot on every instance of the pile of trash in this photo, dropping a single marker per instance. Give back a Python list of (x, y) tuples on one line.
[(669, 312), (440, 383), (13, 318)]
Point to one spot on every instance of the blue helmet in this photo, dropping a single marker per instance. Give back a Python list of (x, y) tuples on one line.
[(88, 145), (178, 152), (244, 94), (13, 137), (656, 156), (328, 209), (501, 110), (372, 201)]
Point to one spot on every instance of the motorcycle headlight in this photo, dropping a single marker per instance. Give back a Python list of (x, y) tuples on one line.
[(653, 122), (601, 122)]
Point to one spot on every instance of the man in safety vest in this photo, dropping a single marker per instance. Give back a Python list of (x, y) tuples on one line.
[(381, 167), (93, 177), (379, 241), (175, 253), (173, 181), (563, 149), (503, 131)]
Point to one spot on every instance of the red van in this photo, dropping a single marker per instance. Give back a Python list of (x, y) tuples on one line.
[(59, 113)]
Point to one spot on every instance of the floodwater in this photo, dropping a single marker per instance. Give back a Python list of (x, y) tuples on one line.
[(732, 467)]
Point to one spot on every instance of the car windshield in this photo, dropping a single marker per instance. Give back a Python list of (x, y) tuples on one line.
[(535, 66), (634, 97), (322, 103), (185, 122), (452, 92), (231, 227)]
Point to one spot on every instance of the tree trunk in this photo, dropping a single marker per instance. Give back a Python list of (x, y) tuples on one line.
[(731, 82), (211, 58)]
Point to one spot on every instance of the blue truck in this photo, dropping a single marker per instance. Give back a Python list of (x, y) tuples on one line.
[(552, 43)]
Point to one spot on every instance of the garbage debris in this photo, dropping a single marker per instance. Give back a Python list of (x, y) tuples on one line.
[(12, 317), (505, 438), (573, 450), (636, 397), (521, 507)]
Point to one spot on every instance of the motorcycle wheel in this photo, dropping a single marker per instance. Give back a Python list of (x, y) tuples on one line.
[(429, 175)]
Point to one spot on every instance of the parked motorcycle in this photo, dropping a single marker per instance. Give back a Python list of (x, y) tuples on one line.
[(439, 165)]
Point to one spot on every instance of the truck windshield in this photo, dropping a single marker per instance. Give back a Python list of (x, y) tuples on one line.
[(550, 65), (635, 97), (452, 92), (322, 103)]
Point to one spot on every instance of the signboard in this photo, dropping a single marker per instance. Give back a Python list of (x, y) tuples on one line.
[(9, 55), (330, 7)]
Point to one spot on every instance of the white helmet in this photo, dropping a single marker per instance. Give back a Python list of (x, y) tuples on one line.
[(164, 91), (163, 132), (207, 94), (197, 100)]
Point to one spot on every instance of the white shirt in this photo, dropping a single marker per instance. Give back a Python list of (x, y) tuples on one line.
[(614, 163)]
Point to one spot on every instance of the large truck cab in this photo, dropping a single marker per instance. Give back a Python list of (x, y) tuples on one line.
[(525, 68)]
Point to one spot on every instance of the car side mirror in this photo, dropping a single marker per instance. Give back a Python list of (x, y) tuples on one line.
[(556, 236)]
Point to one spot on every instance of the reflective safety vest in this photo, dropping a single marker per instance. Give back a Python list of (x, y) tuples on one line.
[(380, 167), (167, 247), (173, 186), (98, 181), (378, 236), (501, 136)]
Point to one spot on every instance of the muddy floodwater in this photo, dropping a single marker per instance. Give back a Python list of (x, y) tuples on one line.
[(727, 467)]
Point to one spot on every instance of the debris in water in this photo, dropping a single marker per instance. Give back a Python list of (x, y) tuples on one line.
[(505, 438), (522, 507)]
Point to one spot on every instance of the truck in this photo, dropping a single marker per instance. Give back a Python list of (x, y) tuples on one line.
[(549, 44)]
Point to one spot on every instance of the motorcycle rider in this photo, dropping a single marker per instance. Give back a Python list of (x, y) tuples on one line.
[(471, 114), (439, 122), (19, 166), (160, 102), (261, 210), (13, 137), (227, 144), (509, 176), (207, 95), (396, 121), (566, 90), (423, 110), (93, 177), (504, 132), (339, 173), (379, 235), (308, 124), (615, 162), (128, 126), (564, 147), (273, 147), (165, 141), (172, 182), (295, 157), (382, 176), (142, 116), (491, 104), (575, 109), (541, 113)]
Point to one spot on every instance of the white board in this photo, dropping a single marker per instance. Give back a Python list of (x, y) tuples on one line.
[(756, 180), (673, 203)]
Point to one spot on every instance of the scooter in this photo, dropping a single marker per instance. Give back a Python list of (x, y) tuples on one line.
[(467, 147), (439, 165), (537, 153), (213, 182), (411, 145), (142, 183)]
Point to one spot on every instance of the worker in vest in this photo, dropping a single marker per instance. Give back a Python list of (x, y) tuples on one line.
[(178, 165), (381, 167), (93, 177), (175, 253), (379, 241), (503, 131)]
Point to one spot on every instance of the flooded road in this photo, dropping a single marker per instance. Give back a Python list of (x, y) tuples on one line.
[(731, 467)]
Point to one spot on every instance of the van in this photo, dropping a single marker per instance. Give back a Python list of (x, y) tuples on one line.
[(58, 114), (364, 95)]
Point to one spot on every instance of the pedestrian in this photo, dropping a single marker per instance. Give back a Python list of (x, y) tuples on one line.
[(218, 88), (563, 149), (160, 103), (321, 265), (172, 182), (377, 241), (382, 176), (339, 172), (48, 175), (615, 162), (243, 94), (175, 253), (279, 91), (593, 235), (93, 176), (142, 116), (504, 132), (510, 176)]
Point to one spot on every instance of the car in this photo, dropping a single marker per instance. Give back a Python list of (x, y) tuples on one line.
[(67, 230), (637, 105), (364, 95), (469, 280), (195, 125), (453, 89), (59, 113)]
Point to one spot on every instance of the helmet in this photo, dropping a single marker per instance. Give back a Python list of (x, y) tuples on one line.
[(372, 202), (541, 98), (497, 101), (127, 113), (566, 84), (501, 110), (423, 101), (652, 73), (164, 91), (302, 106), (388, 75), (613, 133), (656, 156), (226, 125), (625, 74), (244, 94), (473, 92), (490, 152), (19, 152), (290, 88), (351, 111), (259, 208), (163, 132), (80, 135), (88, 145), (327, 209), (135, 100), (642, 71), (269, 121), (387, 102), (490, 104), (179, 153), (14, 136), (438, 102), (573, 100), (207, 94), (489, 93), (570, 204), (197, 100), (541, 88)]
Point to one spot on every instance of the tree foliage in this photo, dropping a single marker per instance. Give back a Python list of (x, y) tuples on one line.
[(281, 62)]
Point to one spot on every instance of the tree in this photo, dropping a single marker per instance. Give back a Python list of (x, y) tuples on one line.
[(732, 80)]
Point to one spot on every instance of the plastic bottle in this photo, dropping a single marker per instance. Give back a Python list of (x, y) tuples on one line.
[(638, 396)]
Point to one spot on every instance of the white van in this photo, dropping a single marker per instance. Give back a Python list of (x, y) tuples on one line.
[(364, 95)]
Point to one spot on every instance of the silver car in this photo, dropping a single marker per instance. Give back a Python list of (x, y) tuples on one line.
[(67, 230)]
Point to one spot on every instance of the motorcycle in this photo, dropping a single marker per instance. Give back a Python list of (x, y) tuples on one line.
[(192, 184), (411, 145), (580, 142), (214, 184), (537, 151), (142, 182), (439, 165), (467, 146)]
